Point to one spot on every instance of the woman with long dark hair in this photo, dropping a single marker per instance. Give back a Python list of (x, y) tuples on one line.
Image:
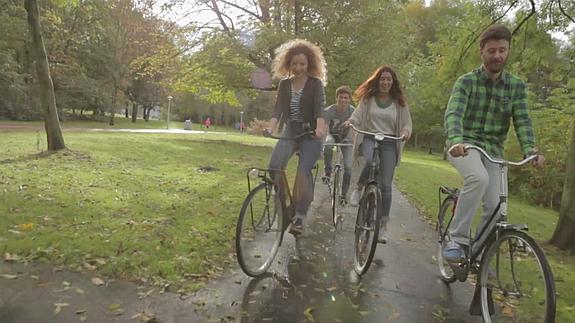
[(382, 109)]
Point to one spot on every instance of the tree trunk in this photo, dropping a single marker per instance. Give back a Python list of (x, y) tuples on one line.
[(146, 112), (297, 17), (47, 98), (134, 112), (113, 108), (564, 235)]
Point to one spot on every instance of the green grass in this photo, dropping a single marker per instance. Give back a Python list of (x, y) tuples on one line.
[(419, 175), (130, 206), (135, 206)]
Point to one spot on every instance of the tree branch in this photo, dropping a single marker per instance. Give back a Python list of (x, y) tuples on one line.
[(231, 4), (526, 17), (565, 13), (218, 13), (477, 35)]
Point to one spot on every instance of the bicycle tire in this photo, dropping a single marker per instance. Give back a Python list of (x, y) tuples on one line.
[(266, 206), (367, 225), (334, 195), (443, 219), (506, 307)]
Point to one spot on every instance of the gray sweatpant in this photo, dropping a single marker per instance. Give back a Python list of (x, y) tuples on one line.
[(309, 151), (481, 180)]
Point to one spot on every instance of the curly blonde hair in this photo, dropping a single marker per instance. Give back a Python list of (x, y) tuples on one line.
[(285, 53)]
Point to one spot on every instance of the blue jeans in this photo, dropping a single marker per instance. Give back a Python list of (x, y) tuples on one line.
[(387, 163), (309, 151)]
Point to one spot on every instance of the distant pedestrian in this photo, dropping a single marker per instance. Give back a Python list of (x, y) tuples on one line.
[(207, 122)]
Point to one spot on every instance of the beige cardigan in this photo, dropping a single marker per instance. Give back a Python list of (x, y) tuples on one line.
[(361, 115)]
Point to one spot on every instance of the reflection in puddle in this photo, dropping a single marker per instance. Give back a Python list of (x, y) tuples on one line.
[(320, 284)]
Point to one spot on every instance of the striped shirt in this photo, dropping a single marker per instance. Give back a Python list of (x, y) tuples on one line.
[(480, 110), (294, 108)]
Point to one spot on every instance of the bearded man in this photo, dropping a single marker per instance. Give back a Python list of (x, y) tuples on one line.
[(481, 107)]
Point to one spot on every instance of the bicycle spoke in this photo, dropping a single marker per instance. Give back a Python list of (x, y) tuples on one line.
[(259, 230), (366, 229), (519, 278), (443, 221)]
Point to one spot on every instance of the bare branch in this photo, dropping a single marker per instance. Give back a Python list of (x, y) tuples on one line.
[(565, 13), (251, 13), (217, 11), (475, 35), (525, 18)]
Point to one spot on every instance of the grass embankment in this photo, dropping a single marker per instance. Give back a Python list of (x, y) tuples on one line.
[(134, 206), (419, 177)]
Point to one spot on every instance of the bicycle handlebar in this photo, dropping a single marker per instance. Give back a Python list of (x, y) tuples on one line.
[(268, 134), (378, 136), (499, 161)]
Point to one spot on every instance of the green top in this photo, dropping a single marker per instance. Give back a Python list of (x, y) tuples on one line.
[(383, 103), (479, 112)]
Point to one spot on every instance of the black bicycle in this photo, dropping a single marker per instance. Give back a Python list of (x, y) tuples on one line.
[(334, 184), (370, 210), (266, 213), (515, 282)]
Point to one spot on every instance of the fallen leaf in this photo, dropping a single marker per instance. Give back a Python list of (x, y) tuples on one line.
[(98, 281), (9, 257), (79, 290), (308, 314), (394, 315), (89, 266), (26, 226), (115, 309), (58, 307), (8, 276)]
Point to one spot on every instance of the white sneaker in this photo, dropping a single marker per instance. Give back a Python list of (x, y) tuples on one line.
[(354, 198), (383, 236)]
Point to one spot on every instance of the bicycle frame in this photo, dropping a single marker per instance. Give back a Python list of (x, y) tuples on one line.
[(497, 220), (283, 188), (339, 158), (378, 138), (278, 178)]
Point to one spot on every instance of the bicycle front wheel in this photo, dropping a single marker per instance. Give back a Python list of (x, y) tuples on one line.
[(446, 212), (259, 230), (367, 228), (516, 281), (335, 196)]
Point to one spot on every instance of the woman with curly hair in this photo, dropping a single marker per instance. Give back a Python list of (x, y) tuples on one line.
[(299, 107), (382, 109)]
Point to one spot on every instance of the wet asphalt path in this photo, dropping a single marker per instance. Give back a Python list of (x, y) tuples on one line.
[(312, 280)]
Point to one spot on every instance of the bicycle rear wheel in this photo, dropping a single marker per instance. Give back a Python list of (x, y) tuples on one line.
[(516, 281), (336, 191), (367, 228), (446, 212), (259, 230)]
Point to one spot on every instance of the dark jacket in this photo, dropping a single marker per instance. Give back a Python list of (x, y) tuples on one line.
[(311, 102)]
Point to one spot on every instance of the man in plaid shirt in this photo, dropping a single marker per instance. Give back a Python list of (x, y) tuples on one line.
[(481, 106)]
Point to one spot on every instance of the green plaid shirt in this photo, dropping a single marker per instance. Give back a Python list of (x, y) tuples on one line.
[(479, 112)]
